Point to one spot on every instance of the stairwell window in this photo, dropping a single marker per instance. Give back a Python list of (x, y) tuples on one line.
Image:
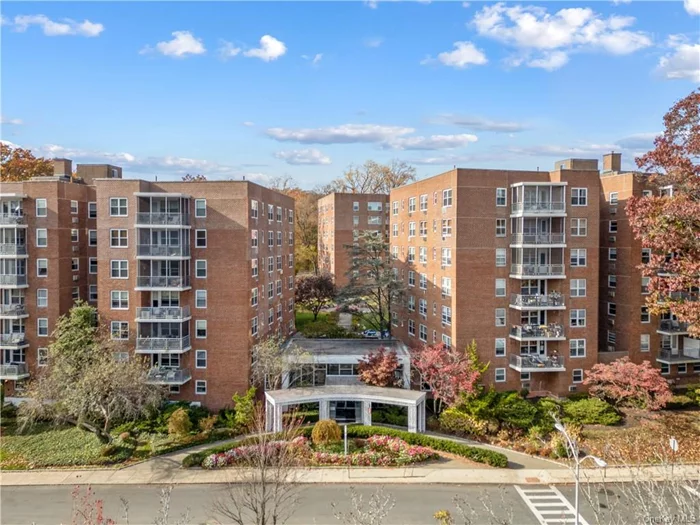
[(41, 208), (579, 196), (500, 287), (42, 327), (500, 347), (200, 208), (577, 348), (201, 359), (500, 257), (447, 198), (577, 375), (42, 237), (201, 329), (200, 299), (500, 316), (42, 267), (500, 375), (500, 197), (644, 343), (118, 207), (200, 238), (500, 227), (200, 268)]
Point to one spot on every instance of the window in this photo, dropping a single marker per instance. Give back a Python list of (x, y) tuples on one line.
[(290, 216), (254, 209), (500, 257), (92, 237), (446, 286), (500, 287), (645, 285), (42, 267), (75, 294), (117, 207), (411, 254), (270, 290), (446, 340), (200, 299), (278, 286), (411, 278), (200, 268), (447, 315), (92, 210), (682, 368), (665, 369), (579, 196), (74, 207), (119, 269), (200, 207), (120, 300), (279, 214), (253, 238), (500, 196), (411, 205), (423, 282), (42, 327), (612, 309), (200, 387), (355, 206), (411, 303), (200, 237), (201, 359), (577, 348), (500, 227), (75, 264), (578, 257), (644, 343), (446, 198), (612, 227), (423, 202), (119, 238), (74, 235), (577, 318), (447, 227), (200, 329), (290, 238), (612, 337), (270, 316), (290, 282), (577, 375), (41, 209), (500, 316), (423, 333), (42, 358), (647, 193), (423, 307), (612, 281), (411, 327), (254, 297), (279, 238), (578, 287), (270, 239), (92, 293), (395, 208), (645, 317), (42, 298), (270, 212), (270, 264), (279, 262), (613, 197), (374, 206), (42, 237), (254, 326), (646, 255), (290, 258), (120, 330), (500, 347), (446, 257), (500, 375), (579, 227), (411, 229), (423, 228)]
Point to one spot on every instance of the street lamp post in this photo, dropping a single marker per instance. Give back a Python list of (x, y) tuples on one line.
[(571, 444)]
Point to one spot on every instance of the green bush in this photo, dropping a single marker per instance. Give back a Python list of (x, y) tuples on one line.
[(679, 402), (245, 410), (578, 396), (179, 423), (325, 431), (515, 412), (9, 411), (319, 329), (590, 411), (391, 415), (227, 417), (109, 450), (457, 422)]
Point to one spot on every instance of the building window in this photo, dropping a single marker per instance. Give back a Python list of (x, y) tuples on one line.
[(446, 315), (579, 227), (579, 196), (411, 303), (612, 227), (290, 216), (355, 206), (577, 375), (270, 290), (200, 268), (270, 316), (200, 387), (411, 278), (75, 293), (201, 359), (645, 317), (645, 285), (200, 208), (119, 269), (42, 327), (500, 287), (447, 227), (613, 198), (612, 309), (646, 255), (423, 333), (411, 327), (577, 287), (254, 297), (119, 238), (75, 264), (290, 258), (500, 196), (92, 210), (92, 237), (577, 348), (253, 267), (41, 209), (42, 267), (578, 257), (200, 299), (120, 300), (500, 347), (270, 212), (254, 209), (446, 257), (279, 262), (411, 205), (200, 238), (682, 368), (395, 208), (500, 227), (612, 337), (278, 286), (200, 329), (612, 254), (446, 286), (92, 297), (118, 207), (500, 375), (644, 343), (612, 281), (270, 239), (374, 206), (74, 235), (120, 330), (42, 298), (411, 229), (254, 326), (423, 281), (74, 207), (270, 264), (665, 369), (577, 318), (42, 357), (290, 238), (446, 198), (423, 202), (500, 316), (41, 237), (253, 238), (500, 257)]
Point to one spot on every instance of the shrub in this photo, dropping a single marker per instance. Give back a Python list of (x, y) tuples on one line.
[(680, 402), (9, 411), (109, 450), (515, 412), (227, 417), (124, 436), (325, 431), (179, 423), (456, 422), (591, 411), (207, 424), (318, 329), (245, 410)]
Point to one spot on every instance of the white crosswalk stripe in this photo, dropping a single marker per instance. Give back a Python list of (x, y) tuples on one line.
[(549, 506)]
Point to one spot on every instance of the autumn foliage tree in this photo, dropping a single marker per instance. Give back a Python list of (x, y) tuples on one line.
[(19, 164), (626, 384), (448, 371), (194, 178), (373, 177), (670, 224), (314, 292), (378, 368)]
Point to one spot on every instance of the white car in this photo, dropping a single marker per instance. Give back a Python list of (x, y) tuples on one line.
[(370, 334)]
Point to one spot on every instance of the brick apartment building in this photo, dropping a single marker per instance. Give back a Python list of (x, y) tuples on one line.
[(508, 259), (626, 327), (189, 274), (341, 217)]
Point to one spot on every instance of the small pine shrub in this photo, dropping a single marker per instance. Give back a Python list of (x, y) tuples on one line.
[(325, 431), (179, 423)]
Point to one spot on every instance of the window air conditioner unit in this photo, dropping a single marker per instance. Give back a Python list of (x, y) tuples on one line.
[(76, 248), (613, 211), (611, 348), (75, 220), (611, 322), (573, 388), (611, 293), (196, 404), (612, 238), (76, 277)]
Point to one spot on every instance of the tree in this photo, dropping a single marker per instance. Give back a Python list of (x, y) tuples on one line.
[(372, 511), (448, 371), (314, 292), (670, 225), (626, 384), (378, 368), (194, 178), (19, 164), (283, 183), (85, 384), (273, 360), (373, 285), (372, 177)]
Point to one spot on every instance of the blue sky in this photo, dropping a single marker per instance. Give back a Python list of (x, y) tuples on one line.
[(305, 88)]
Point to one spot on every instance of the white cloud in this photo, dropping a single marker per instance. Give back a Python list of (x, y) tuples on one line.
[(433, 142), (642, 141), (545, 40), (372, 4), (682, 62), (692, 6), (315, 60), (228, 50), (184, 43), (373, 41), (304, 157), (465, 4), (248, 124), (464, 54), (270, 49), (480, 124), (343, 134), (11, 121), (618, 2), (52, 28)]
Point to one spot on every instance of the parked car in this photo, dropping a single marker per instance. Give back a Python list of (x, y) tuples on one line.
[(370, 334)]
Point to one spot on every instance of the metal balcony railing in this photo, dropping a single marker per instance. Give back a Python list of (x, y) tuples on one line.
[(161, 250), (162, 219), (163, 313), (163, 282), (162, 344), (673, 327), (16, 339), (533, 331), (551, 300), (537, 269), (12, 218), (13, 310), (13, 249), (674, 354), (533, 363), (169, 376), (537, 238), (14, 371), (16, 280), (538, 207)]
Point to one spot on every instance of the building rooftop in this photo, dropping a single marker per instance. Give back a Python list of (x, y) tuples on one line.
[(366, 392), (346, 346)]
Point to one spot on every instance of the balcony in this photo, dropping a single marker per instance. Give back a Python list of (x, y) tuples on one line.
[(675, 356), (552, 301), (669, 327), (529, 332), (13, 311), (163, 313), (14, 372), (163, 345), (13, 250), (553, 271), (680, 296), (535, 363), (168, 376), (538, 239), (161, 250), (163, 283), (538, 208), (12, 219), (12, 341), (176, 220), (13, 281)]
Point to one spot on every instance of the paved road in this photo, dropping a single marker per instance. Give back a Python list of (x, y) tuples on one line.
[(415, 504)]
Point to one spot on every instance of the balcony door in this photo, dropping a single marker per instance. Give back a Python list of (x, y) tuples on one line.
[(13, 356), (165, 299), (533, 348)]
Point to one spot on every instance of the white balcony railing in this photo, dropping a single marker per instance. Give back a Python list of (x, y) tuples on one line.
[(12, 218), (537, 238), (552, 300), (14, 371), (541, 270), (7, 248), (162, 344), (536, 363), (162, 219), (163, 282), (543, 207), (160, 250), (18, 339), (163, 313), (13, 280), (533, 331), (168, 376), (13, 310)]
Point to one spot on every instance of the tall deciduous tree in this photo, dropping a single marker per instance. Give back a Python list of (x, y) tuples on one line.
[(448, 371), (373, 285), (314, 292), (378, 368), (373, 177), (670, 224), (85, 384), (19, 164), (272, 360)]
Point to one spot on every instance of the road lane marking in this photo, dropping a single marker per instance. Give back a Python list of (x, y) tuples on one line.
[(549, 506)]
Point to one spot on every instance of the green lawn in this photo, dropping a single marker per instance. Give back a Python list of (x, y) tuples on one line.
[(304, 317)]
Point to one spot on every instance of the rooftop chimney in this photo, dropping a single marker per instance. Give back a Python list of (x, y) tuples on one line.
[(62, 167), (612, 162)]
